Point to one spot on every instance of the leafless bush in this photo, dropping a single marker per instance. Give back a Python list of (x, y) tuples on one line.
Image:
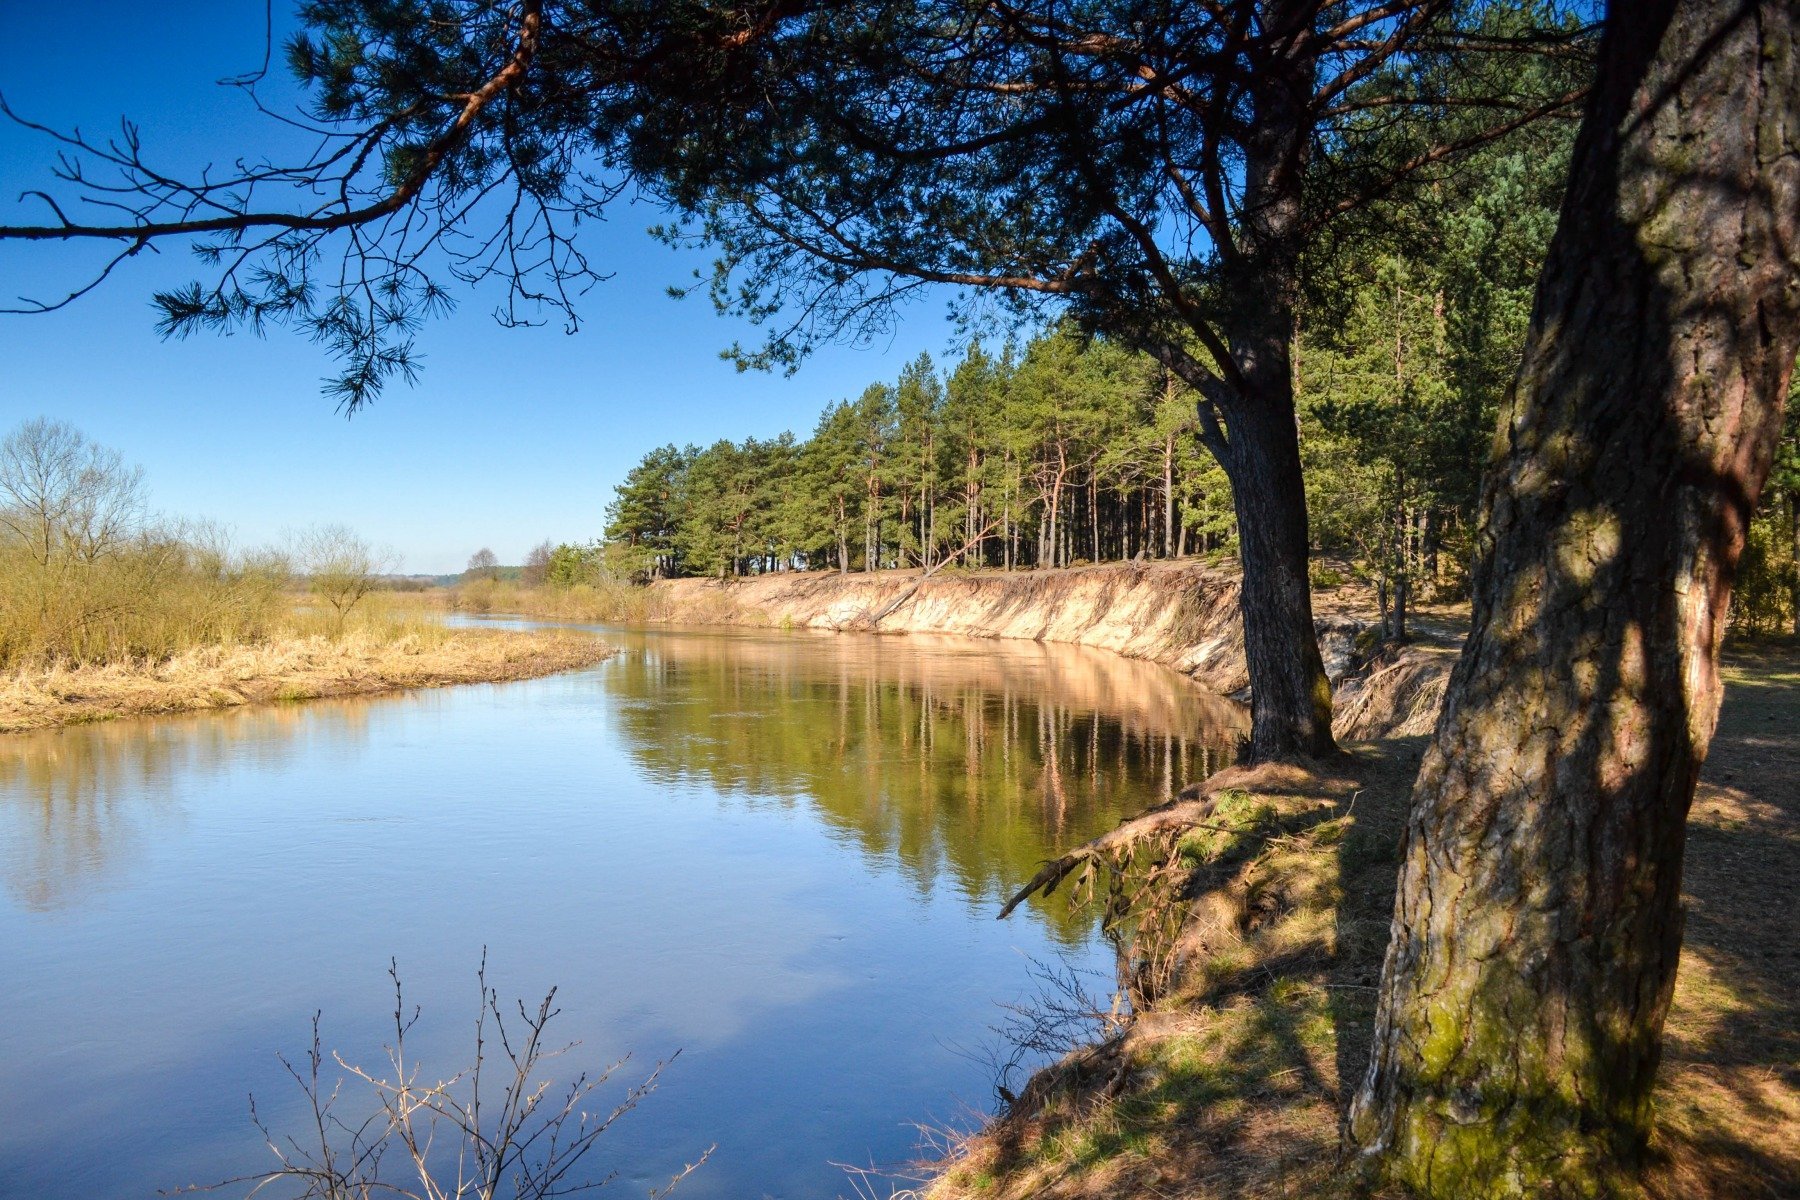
[(536, 571), (1064, 1012), (341, 566), (62, 495), (452, 1139)]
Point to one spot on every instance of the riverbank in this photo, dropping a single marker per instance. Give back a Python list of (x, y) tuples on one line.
[(287, 668), (1182, 615), (1179, 614), (1260, 943)]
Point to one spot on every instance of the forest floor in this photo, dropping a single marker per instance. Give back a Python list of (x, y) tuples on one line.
[(1232, 1081), (286, 669)]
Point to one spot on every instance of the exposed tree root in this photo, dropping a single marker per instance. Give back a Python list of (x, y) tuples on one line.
[(1189, 810)]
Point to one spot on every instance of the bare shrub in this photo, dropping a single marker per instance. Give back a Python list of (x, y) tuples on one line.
[(341, 567), (453, 1139), (536, 571), (605, 599), (1068, 1007)]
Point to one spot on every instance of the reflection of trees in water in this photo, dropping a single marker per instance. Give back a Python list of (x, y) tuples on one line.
[(979, 763), (964, 762), (77, 805)]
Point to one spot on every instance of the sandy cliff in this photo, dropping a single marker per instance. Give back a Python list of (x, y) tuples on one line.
[(1182, 615)]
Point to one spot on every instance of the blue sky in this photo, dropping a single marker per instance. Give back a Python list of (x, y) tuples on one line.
[(511, 436)]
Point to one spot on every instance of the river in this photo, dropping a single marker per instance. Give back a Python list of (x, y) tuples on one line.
[(778, 853)]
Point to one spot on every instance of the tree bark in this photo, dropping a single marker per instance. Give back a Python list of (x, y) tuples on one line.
[(1168, 546), (1794, 568), (1093, 501), (1290, 696), (843, 539), (1538, 920)]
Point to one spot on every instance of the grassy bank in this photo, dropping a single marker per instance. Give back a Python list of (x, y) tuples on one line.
[(611, 602), (1258, 943), (296, 664)]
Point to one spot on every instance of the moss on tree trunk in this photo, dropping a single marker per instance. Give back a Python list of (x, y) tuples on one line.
[(1538, 920)]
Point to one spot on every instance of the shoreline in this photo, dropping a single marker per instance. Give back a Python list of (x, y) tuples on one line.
[(286, 670), (1268, 904), (1180, 614)]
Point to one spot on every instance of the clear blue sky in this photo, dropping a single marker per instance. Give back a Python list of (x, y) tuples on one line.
[(511, 436)]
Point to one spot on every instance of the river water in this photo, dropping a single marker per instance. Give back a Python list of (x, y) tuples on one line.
[(778, 853)]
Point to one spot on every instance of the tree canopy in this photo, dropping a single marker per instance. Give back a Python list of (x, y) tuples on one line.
[(1159, 171)]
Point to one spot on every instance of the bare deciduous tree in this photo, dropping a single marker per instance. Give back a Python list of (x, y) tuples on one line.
[(341, 566), (537, 564), (482, 565), (62, 495)]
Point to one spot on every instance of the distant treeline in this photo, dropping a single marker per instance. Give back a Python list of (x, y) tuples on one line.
[(1073, 450), (1068, 451)]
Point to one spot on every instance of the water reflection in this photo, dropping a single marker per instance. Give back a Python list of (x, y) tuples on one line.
[(778, 852), (979, 759), (78, 805), (942, 755)]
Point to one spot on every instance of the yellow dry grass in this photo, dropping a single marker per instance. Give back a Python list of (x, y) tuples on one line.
[(611, 602), (294, 666)]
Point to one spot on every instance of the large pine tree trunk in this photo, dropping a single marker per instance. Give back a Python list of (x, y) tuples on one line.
[(1290, 696), (1538, 921)]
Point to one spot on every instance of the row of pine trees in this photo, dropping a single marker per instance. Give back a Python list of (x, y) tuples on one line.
[(1063, 452), (1066, 450)]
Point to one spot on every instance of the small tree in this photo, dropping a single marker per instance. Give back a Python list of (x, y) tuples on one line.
[(341, 567), (648, 507), (62, 495), (482, 565), (536, 571), (572, 565)]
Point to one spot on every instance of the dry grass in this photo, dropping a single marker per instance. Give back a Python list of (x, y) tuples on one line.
[(299, 665), (1231, 1085), (611, 602)]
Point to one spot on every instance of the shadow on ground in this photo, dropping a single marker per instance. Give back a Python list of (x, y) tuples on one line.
[(1231, 1083)]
